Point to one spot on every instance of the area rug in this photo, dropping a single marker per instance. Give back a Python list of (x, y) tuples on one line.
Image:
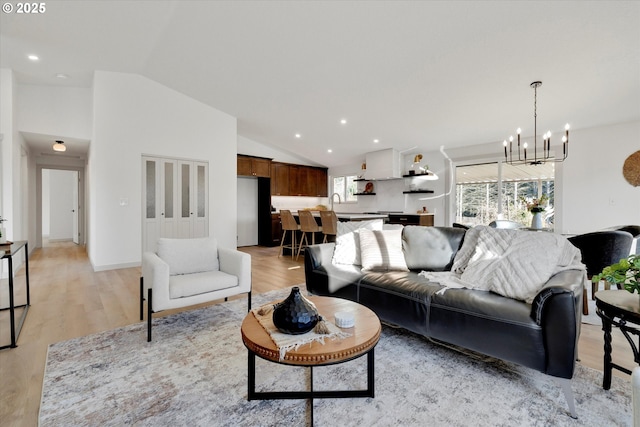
[(195, 373)]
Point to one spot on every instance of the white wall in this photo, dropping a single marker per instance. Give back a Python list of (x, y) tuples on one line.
[(595, 193), (55, 110), (253, 148), (132, 116)]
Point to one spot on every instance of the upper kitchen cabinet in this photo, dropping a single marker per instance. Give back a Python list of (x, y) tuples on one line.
[(254, 166), (298, 180), (320, 178), (301, 181), (279, 179)]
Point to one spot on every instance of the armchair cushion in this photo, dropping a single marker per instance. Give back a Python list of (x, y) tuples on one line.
[(186, 256), (187, 285)]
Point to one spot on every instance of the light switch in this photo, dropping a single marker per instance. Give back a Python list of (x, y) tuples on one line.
[(124, 201)]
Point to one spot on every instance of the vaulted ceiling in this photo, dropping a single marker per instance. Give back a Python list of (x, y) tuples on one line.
[(408, 74)]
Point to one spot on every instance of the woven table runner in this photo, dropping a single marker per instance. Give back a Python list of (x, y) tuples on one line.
[(288, 342)]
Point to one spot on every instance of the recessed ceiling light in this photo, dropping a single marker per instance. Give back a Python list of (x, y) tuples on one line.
[(376, 141), (62, 76), (343, 121), (298, 135), (329, 150), (33, 57)]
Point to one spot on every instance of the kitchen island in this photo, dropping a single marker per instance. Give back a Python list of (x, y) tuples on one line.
[(349, 216)]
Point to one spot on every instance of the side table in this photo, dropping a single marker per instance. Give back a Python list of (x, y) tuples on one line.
[(621, 309), (9, 252)]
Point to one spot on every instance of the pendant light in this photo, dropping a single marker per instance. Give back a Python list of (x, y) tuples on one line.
[(59, 146)]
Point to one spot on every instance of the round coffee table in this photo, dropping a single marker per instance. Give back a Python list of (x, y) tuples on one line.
[(364, 337), (619, 308)]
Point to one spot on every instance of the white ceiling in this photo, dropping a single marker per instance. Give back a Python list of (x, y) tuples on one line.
[(411, 74)]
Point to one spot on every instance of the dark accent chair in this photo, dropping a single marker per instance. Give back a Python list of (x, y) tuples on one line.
[(635, 232), (600, 249)]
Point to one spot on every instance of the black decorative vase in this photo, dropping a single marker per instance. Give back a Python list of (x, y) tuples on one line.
[(296, 314)]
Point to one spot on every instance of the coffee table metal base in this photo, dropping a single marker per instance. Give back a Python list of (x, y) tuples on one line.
[(310, 394)]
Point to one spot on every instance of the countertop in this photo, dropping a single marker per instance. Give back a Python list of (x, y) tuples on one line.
[(350, 216)]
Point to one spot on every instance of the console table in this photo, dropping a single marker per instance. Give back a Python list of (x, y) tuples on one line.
[(622, 309), (8, 254)]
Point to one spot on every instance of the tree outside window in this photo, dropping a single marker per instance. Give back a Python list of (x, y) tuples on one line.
[(478, 187), (346, 187)]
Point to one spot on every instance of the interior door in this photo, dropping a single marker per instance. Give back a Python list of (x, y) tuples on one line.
[(75, 208), (169, 214), (185, 196)]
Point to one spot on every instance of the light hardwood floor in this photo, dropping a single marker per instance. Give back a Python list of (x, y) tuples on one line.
[(69, 300)]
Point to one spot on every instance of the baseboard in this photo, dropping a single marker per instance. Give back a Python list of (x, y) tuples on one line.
[(97, 268)]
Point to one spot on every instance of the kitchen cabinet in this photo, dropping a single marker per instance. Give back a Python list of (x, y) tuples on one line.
[(279, 179), (412, 219), (276, 229), (298, 180), (321, 185), (254, 166)]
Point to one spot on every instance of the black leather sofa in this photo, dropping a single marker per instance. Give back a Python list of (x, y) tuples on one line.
[(542, 335)]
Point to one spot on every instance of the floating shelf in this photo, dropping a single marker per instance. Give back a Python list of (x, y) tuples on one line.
[(421, 175), (366, 194), (417, 191)]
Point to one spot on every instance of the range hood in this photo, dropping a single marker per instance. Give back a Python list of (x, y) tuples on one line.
[(383, 164)]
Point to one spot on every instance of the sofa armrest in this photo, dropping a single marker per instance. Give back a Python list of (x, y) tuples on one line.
[(569, 281), (321, 254), (156, 276), (316, 258), (558, 310), (237, 264)]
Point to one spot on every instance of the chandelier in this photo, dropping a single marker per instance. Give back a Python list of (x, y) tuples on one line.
[(539, 156)]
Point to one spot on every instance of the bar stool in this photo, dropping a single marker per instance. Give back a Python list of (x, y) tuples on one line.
[(329, 222), (288, 224), (308, 224)]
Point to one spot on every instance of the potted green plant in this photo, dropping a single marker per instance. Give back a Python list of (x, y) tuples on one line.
[(625, 272)]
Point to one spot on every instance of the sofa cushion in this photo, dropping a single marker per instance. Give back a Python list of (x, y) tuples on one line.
[(431, 248), (381, 250), (187, 285), (186, 256), (347, 250)]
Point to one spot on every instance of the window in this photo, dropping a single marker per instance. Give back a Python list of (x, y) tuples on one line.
[(490, 191), (346, 187)]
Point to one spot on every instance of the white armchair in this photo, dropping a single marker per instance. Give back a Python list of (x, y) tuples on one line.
[(186, 272)]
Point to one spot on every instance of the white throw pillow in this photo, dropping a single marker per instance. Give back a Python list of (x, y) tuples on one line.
[(347, 249), (381, 250), (186, 256)]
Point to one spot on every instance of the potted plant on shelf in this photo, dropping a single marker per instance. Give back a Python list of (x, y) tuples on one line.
[(625, 272)]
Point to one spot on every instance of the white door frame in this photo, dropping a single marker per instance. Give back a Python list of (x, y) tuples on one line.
[(81, 201)]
